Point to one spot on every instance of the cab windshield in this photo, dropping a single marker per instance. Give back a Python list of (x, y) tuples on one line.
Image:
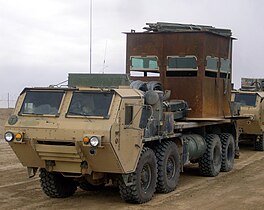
[(90, 104), (41, 103)]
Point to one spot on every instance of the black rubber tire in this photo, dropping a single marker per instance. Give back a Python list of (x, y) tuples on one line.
[(259, 143), (210, 162), (228, 151), (144, 179), (55, 185), (84, 185), (168, 161)]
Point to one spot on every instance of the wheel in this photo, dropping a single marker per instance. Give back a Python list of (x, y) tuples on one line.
[(143, 180), (55, 185), (84, 185), (210, 162), (168, 166), (259, 143), (228, 151)]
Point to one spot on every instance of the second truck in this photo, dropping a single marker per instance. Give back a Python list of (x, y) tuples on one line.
[(249, 98)]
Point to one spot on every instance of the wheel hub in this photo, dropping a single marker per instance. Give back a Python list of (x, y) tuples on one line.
[(145, 177), (170, 168)]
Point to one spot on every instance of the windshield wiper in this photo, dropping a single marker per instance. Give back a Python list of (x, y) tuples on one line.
[(76, 113), (30, 113)]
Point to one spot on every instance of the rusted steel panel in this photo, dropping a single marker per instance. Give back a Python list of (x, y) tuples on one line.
[(205, 95), (190, 90)]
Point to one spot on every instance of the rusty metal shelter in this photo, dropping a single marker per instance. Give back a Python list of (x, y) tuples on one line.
[(192, 61)]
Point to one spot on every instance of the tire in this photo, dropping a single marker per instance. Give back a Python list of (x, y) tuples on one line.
[(228, 151), (143, 180), (259, 143), (168, 166), (55, 185), (210, 162)]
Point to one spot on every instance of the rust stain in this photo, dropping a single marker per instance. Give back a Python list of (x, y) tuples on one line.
[(205, 95)]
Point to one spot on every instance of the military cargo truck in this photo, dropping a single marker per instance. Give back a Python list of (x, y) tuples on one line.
[(134, 131), (250, 99)]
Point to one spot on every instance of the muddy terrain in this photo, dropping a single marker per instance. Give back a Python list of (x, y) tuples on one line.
[(242, 188)]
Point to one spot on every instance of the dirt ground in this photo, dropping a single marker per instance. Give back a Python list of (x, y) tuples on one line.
[(242, 188)]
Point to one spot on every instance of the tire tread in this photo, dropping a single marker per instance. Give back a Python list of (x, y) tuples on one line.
[(205, 162), (131, 192), (55, 185), (160, 152)]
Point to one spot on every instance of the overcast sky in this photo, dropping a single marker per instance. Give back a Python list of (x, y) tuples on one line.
[(41, 41)]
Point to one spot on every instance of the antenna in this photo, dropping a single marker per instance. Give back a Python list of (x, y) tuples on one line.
[(104, 66), (91, 16)]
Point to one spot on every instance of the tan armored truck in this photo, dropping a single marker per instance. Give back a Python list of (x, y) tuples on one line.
[(137, 132), (250, 99)]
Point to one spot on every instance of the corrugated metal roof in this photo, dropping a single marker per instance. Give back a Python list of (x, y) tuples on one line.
[(177, 27)]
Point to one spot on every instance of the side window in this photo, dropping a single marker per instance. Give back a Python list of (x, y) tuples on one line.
[(225, 68), (181, 66), (144, 66), (128, 115), (211, 67)]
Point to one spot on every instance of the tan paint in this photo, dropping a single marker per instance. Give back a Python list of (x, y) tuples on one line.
[(129, 138), (254, 123), (120, 144)]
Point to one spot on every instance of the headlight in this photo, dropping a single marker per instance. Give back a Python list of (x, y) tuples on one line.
[(94, 141), (9, 136)]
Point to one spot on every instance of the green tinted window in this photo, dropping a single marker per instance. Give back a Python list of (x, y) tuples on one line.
[(175, 63), (181, 66), (211, 67), (225, 65), (211, 63), (144, 63)]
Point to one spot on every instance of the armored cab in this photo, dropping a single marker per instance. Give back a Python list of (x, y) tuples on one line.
[(194, 62), (250, 100)]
